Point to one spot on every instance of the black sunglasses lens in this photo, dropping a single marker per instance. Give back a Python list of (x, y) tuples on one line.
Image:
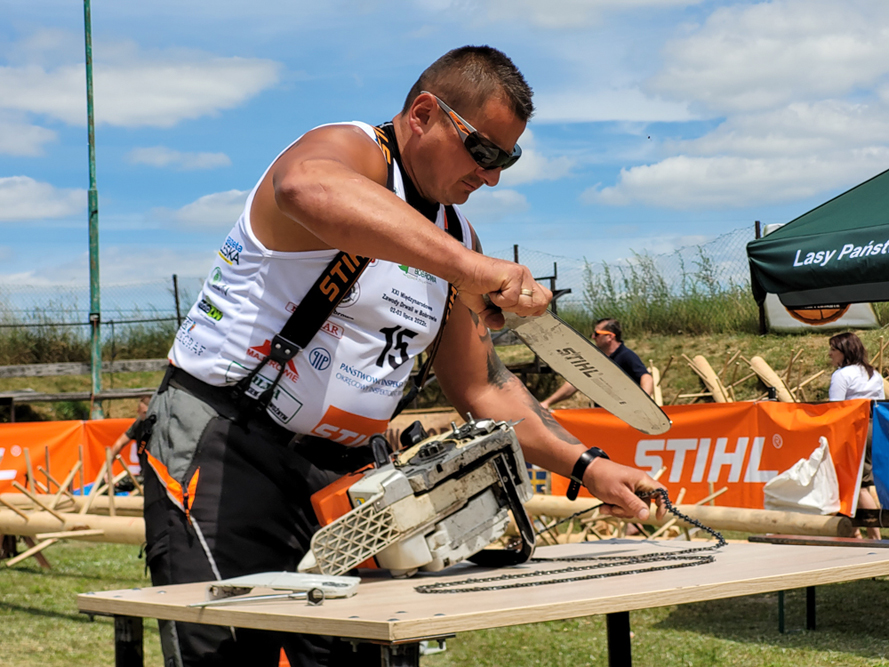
[(488, 155)]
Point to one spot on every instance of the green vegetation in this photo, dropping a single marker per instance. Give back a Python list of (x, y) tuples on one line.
[(42, 627)]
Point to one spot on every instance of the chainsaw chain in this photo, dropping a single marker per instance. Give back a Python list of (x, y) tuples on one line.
[(676, 560)]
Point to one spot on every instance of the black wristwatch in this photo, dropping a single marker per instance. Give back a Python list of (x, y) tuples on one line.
[(580, 467)]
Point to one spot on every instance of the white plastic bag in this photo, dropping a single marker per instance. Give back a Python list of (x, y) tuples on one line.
[(810, 486)]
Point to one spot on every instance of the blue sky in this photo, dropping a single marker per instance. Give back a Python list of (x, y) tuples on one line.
[(660, 123)]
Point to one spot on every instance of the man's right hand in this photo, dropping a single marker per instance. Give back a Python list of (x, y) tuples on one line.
[(509, 287)]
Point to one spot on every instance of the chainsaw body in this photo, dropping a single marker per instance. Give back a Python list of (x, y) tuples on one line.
[(437, 503)]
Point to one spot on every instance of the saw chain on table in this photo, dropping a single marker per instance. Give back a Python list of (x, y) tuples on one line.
[(592, 565)]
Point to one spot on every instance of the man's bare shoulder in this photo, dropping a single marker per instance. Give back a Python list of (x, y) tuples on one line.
[(344, 143)]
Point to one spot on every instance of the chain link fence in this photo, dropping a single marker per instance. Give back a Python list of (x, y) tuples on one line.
[(694, 289)]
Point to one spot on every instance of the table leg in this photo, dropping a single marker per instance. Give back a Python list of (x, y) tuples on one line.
[(810, 608), (618, 628), (128, 641), (401, 655)]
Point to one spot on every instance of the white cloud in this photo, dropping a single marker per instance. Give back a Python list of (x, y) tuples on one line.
[(491, 205), (22, 138), (23, 198), (751, 57), (119, 264), (219, 210), (588, 106), (161, 156), (686, 182), (565, 14), (534, 166), (137, 88), (800, 129)]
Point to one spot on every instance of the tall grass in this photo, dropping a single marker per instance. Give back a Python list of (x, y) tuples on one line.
[(637, 294)]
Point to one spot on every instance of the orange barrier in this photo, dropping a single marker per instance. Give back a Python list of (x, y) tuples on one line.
[(734, 445), (62, 441)]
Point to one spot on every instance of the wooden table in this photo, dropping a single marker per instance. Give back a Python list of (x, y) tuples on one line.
[(391, 613)]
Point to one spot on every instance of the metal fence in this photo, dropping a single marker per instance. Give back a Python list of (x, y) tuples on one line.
[(712, 269)]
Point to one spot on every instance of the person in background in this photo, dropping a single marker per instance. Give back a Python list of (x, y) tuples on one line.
[(856, 378), (608, 338), (130, 434)]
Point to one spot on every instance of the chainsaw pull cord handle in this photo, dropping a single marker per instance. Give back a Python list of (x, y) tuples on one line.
[(508, 557)]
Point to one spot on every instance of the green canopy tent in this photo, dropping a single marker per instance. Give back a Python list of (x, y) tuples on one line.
[(833, 255)]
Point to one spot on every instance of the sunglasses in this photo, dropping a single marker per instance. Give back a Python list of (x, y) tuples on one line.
[(486, 153), (601, 332)]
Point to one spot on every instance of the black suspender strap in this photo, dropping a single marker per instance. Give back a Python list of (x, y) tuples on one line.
[(306, 320)]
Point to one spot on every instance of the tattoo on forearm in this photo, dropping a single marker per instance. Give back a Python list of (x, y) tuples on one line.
[(498, 375), (549, 421)]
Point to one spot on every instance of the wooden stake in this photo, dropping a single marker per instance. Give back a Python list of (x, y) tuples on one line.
[(33, 551), (37, 501), (131, 475), (93, 490), (46, 472), (80, 460), (667, 367), (28, 471), (109, 461), (14, 508), (64, 487)]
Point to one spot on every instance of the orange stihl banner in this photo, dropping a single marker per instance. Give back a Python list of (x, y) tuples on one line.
[(736, 445), (62, 442)]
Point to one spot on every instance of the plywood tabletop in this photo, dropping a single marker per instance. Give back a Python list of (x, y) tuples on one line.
[(391, 610)]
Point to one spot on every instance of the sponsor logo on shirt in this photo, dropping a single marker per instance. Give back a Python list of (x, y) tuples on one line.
[(260, 352), (231, 251), (207, 308), (347, 428), (332, 329), (216, 281), (352, 297), (283, 405), (418, 274), (185, 340), (319, 358)]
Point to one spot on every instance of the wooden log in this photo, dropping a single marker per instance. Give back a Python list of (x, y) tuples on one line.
[(711, 381), (65, 534), (125, 505), (719, 518), (119, 530), (771, 379)]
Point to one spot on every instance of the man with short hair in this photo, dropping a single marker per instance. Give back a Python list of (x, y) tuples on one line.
[(238, 443), (608, 338)]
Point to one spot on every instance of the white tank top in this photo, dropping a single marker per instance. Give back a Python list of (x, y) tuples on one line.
[(345, 384)]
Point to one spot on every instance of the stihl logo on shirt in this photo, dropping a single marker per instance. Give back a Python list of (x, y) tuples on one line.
[(262, 351), (347, 428)]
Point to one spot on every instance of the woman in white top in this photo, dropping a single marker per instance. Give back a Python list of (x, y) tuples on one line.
[(856, 378)]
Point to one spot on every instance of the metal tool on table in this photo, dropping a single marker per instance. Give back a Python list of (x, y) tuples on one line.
[(284, 586)]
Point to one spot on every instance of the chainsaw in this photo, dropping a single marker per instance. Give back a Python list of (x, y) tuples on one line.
[(441, 500)]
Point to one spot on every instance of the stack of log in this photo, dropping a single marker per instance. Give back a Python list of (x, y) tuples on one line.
[(42, 516)]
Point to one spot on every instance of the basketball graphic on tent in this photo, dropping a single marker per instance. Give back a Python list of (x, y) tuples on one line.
[(818, 316)]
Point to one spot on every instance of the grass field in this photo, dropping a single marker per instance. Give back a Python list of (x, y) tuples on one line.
[(41, 627)]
